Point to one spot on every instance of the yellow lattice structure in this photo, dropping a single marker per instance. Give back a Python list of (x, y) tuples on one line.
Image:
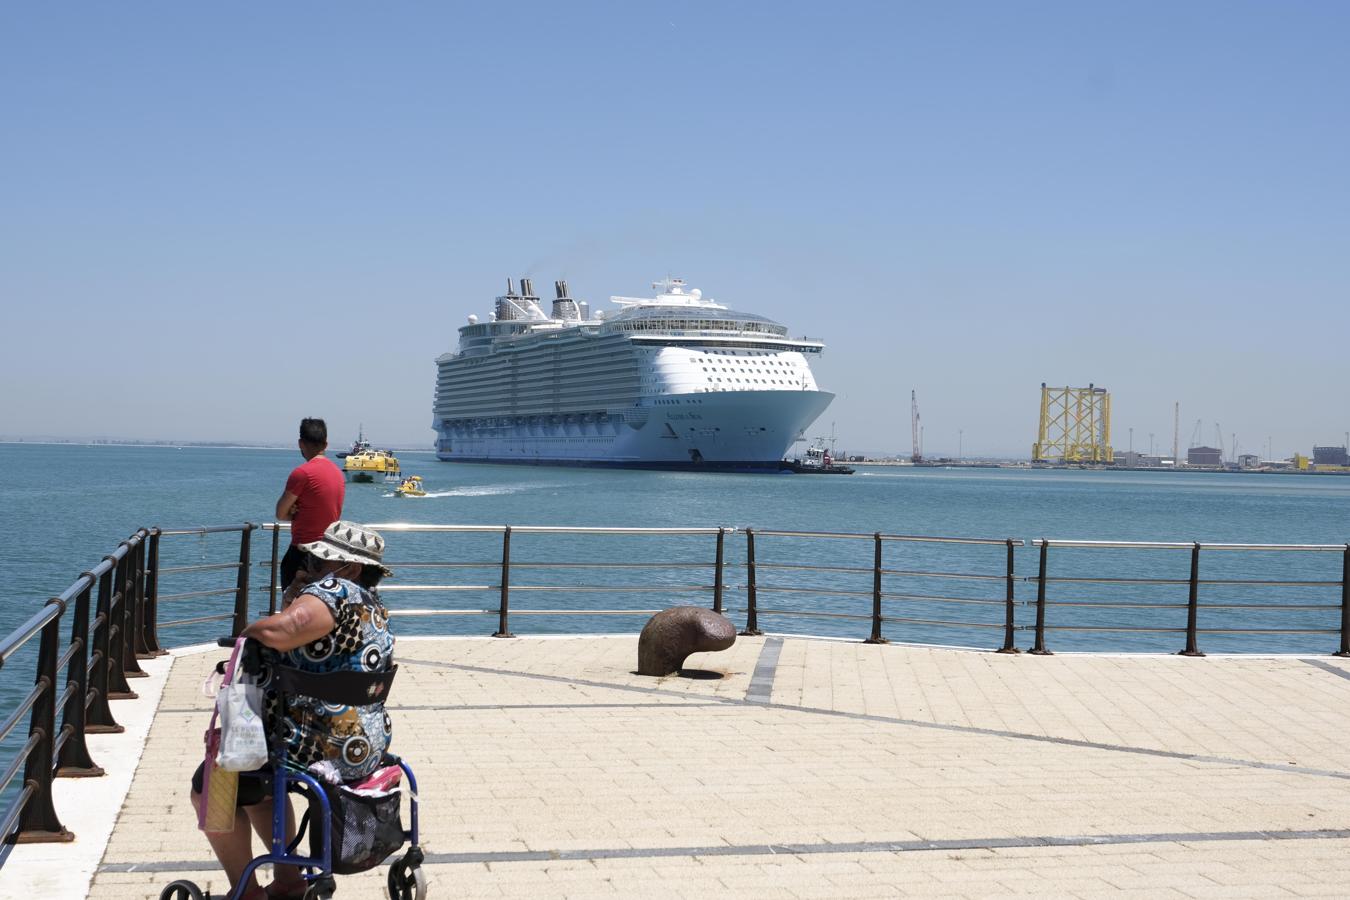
[(1075, 426)]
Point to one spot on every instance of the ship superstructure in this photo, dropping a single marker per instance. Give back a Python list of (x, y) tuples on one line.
[(674, 381)]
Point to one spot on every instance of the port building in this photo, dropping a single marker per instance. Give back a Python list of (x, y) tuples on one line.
[(1331, 456), (1204, 456)]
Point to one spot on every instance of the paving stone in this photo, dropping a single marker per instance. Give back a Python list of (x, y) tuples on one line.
[(680, 787)]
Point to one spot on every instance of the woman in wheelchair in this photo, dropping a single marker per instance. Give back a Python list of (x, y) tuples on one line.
[(336, 624)]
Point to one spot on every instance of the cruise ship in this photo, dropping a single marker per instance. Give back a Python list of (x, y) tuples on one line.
[(677, 381)]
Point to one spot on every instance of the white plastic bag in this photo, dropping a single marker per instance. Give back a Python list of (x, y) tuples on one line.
[(243, 738)]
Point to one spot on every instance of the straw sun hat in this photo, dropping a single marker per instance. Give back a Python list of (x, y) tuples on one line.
[(345, 541)]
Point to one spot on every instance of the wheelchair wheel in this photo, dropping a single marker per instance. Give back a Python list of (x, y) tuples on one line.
[(407, 881), (182, 890), (321, 888)]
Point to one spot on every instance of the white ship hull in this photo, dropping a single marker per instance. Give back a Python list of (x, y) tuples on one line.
[(731, 430)]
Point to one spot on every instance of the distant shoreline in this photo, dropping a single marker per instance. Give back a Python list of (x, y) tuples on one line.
[(891, 463), (180, 445)]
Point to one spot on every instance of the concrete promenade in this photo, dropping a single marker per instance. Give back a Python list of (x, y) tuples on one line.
[(808, 768)]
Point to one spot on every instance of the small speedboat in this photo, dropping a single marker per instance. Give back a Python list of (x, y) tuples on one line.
[(411, 487)]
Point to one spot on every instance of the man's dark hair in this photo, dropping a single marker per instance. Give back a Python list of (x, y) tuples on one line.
[(313, 431)]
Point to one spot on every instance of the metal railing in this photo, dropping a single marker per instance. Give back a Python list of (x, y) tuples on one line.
[(1193, 582), (879, 574), (114, 613), (97, 661)]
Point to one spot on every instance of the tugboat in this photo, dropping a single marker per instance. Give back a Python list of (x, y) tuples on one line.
[(411, 487), (818, 461), (360, 445), (369, 465)]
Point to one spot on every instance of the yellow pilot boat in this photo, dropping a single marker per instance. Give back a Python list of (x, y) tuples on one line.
[(371, 465), (411, 487)]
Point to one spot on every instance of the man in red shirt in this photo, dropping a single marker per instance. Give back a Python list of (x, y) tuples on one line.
[(313, 497)]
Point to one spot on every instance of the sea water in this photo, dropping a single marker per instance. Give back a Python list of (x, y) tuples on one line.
[(66, 506)]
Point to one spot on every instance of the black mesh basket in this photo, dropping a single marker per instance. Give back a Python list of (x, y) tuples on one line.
[(366, 829)]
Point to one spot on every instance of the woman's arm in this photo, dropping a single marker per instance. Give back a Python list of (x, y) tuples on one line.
[(303, 622)]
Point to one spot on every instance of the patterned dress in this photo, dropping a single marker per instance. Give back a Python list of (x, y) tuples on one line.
[(352, 738)]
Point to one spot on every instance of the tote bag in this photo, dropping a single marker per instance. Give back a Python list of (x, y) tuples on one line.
[(243, 738)]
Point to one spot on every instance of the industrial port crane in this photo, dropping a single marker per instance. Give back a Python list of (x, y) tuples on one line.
[(916, 454)]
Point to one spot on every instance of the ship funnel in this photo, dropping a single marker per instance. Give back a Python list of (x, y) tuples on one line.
[(564, 307), (510, 288), (526, 289)]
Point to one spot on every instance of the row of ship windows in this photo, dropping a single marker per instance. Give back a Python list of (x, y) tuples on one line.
[(754, 381), (697, 325), (738, 369)]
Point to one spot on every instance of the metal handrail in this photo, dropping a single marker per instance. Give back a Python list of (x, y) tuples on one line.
[(912, 538), (1177, 545)]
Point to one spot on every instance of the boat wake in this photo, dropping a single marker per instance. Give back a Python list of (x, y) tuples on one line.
[(486, 490)]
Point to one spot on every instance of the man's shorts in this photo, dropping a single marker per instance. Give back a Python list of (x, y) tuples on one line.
[(253, 787), (291, 564)]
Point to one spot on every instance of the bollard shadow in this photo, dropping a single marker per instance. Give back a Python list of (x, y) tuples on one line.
[(701, 674), (691, 674)]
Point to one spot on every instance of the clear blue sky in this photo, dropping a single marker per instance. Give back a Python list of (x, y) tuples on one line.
[(215, 219)]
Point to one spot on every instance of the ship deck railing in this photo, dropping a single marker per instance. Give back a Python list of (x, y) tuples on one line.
[(83, 645)]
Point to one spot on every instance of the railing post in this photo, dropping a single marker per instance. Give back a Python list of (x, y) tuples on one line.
[(118, 688), (74, 760), (128, 618), (1193, 605), (717, 571), (875, 637), (1039, 648), (241, 584), (504, 607), (751, 601), (101, 719), (150, 629), (140, 649), (38, 823), (1009, 618), (1345, 603), (272, 576)]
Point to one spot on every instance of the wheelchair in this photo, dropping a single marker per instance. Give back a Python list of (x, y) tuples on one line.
[(406, 881)]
